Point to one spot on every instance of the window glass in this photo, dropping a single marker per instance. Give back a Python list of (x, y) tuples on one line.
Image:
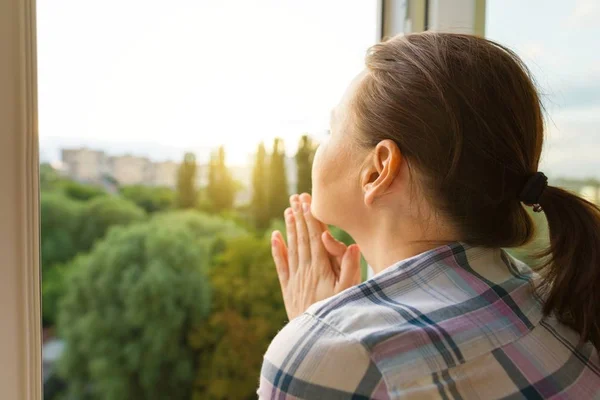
[(157, 198), (558, 41)]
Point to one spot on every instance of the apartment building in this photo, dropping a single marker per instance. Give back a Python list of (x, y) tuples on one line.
[(84, 164), (130, 170), (91, 166), (163, 173)]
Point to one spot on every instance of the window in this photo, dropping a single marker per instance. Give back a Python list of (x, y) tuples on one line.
[(155, 267), (558, 42)]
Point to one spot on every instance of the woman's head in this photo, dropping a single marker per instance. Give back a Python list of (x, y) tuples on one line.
[(448, 128), (466, 121)]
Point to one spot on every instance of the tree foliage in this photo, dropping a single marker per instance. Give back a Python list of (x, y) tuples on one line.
[(203, 226), (53, 288), (260, 179), (60, 220), (129, 307), (151, 199), (49, 178), (221, 187), (187, 195), (102, 213), (304, 160), (80, 191), (247, 312), (278, 188)]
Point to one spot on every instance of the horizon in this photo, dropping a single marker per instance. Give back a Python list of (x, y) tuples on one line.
[(51, 151), (167, 78)]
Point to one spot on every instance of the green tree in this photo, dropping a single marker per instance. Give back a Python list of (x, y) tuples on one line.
[(203, 226), (60, 219), (53, 288), (247, 312), (260, 179), (278, 189), (49, 178), (187, 195), (151, 199), (127, 312), (80, 191), (102, 213), (221, 187), (304, 160)]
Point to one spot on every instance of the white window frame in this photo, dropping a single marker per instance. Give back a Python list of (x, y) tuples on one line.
[(20, 316)]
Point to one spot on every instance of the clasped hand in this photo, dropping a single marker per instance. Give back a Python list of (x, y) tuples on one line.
[(313, 265)]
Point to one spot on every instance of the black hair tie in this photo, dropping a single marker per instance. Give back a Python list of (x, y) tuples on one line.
[(533, 189)]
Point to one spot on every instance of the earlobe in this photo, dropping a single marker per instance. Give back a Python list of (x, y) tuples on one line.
[(368, 178), (369, 196)]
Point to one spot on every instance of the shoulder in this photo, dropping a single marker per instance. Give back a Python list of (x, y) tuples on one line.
[(310, 358)]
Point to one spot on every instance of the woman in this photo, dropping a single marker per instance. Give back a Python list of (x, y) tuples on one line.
[(430, 166)]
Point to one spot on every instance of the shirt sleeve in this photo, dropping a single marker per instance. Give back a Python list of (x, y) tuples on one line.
[(309, 359)]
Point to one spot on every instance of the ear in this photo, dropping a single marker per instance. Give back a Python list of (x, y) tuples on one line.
[(380, 170)]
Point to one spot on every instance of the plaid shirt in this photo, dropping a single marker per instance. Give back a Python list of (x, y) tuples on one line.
[(456, 322)]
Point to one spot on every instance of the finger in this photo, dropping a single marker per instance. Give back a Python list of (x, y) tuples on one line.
[(292, 245), (307, 198), (281, 263), (332, 245), (284, 250), (350, 263), (315, 230), (302, 238)]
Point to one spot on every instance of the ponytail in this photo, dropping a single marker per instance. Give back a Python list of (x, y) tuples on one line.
[(571, 264)]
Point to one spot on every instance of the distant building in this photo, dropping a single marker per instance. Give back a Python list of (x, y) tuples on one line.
[(131, 170), (163, 174), (94, 166), (84, 164)]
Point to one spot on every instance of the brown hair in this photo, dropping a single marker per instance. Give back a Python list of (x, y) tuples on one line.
[(466, 115)]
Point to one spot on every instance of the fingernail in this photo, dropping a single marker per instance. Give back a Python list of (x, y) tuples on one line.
[(295, 206), (274, 242), (289, 216), (305, 207)]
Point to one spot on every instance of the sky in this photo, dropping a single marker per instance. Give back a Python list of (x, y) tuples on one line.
[(161, 77), (559, 40), (158, 78)]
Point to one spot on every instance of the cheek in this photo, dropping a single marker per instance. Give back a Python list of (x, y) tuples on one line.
[(332, 185), (321, 188)]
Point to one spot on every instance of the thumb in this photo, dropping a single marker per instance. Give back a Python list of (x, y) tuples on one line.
[(350, 264), (332, 245)]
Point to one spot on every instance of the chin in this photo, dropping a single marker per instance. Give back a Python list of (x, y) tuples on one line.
[(319, 213), (315, 210)]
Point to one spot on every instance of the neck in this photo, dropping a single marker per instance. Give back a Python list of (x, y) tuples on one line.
[(389, 241)]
